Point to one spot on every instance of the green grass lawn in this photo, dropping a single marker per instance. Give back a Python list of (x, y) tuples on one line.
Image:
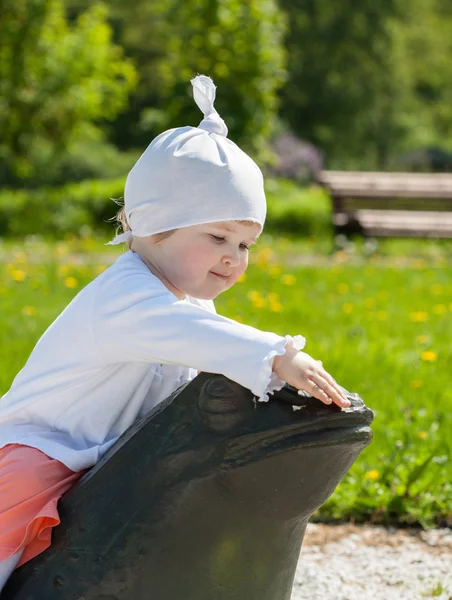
[(381, 325)]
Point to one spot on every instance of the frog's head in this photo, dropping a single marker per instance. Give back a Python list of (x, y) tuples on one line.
[(287, 421)]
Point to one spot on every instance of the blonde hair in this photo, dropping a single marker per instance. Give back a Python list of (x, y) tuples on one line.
[(121, 220)]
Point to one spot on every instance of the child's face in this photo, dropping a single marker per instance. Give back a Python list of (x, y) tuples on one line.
[(193, 257)]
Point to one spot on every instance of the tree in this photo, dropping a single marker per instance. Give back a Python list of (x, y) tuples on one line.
[(340, 85), (422, 52), (239, 44), (55, 79), (369, 80)]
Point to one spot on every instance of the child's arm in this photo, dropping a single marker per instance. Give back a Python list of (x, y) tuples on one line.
[(144, 325)]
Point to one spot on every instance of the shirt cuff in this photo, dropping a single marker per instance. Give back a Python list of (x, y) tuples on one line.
[(267, 382)]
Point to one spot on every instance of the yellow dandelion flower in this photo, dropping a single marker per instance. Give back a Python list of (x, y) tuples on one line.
[(259, 302), (416, 383), (63, 270), (253, 295), (242, 278), (264, 256), (382, 315), (422, 339), (428, 356), (18, 275), (267, 253), (101, 268), (29, 311), (373, 474), (439, 309), (347, 307), (238, 318), (419, 316), (276, 307), (422, 435), (289, 279), (71, 282), (369, 302), (342, 288)]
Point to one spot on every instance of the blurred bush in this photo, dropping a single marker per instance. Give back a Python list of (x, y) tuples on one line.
[(239, 44), (54, 211)]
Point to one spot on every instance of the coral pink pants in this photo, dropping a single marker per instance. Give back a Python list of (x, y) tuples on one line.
[(31, 483)]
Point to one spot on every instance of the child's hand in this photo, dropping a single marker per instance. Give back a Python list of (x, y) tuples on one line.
[(305, 373)]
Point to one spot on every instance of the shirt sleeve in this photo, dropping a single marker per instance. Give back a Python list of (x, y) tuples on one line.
[(151, 325)]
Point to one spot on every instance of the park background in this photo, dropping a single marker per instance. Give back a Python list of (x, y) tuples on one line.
[(84, 88)]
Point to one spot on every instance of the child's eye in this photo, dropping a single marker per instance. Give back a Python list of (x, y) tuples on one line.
[(222, 239)]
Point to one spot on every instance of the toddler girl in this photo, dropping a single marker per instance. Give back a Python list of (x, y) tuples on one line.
[(194, 203)]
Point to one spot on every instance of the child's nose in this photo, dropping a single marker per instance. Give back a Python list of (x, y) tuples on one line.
[(233, 259)]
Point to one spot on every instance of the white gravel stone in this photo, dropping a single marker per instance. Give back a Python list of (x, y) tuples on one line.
[(349, 562)]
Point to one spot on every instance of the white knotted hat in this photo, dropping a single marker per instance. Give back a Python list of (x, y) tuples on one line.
[(193, 175)]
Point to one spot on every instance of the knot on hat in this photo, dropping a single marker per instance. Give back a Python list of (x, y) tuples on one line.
[(204, 95)]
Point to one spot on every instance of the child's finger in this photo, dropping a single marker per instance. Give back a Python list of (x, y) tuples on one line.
[(318, 393), (333, 383), (330, 392), (336, 395), (331, 380)]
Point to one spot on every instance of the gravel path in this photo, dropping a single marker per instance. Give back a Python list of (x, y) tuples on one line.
[(348, 562)]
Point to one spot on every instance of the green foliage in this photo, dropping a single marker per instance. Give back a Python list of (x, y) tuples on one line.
[(55, 211), (422, 53), (370, 81), (239, 44), (90, 156), (296, 210), (364, 83), (340, 88), (54, 79)]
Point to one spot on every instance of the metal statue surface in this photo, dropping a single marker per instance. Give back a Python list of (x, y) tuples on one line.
[(206, 497)]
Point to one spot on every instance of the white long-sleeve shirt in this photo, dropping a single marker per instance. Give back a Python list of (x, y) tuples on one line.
[(124, 344)]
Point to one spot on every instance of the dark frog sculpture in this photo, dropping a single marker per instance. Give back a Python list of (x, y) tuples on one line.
[(207, 497)]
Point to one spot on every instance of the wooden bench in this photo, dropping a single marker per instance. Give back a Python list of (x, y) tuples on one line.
[(390, 204)]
